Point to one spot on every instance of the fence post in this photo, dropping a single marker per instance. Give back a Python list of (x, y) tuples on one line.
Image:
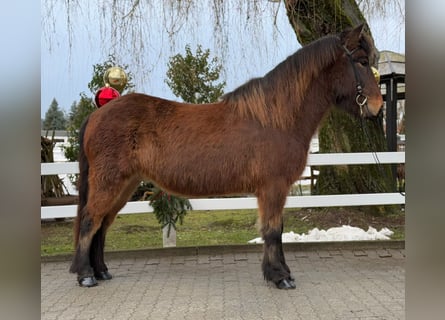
[(168, 241)]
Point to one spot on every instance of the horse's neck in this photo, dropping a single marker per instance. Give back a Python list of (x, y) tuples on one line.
[(316, 103)]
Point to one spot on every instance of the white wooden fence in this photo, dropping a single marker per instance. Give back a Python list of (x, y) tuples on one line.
[(50, 212)]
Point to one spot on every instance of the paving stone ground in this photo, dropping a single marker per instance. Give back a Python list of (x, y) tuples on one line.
[(227, 283)]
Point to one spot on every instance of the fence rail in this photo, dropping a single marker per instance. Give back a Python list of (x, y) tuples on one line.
[(49, 212)]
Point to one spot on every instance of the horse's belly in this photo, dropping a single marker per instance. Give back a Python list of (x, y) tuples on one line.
[(198, 181)]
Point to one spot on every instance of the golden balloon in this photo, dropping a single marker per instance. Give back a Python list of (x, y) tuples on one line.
[(116, 78), (376, 74)]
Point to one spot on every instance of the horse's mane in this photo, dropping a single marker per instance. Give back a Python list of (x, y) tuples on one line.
[(271, 98)]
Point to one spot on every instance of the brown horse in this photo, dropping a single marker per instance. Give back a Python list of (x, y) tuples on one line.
[(255, 140)]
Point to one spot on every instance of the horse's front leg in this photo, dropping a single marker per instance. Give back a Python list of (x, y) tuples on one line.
[(274, 266)]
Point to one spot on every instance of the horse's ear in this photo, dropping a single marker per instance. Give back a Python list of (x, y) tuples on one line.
[(351, 38)]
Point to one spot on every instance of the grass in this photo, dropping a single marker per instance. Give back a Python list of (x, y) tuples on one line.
[(138, 231), (200, 228)]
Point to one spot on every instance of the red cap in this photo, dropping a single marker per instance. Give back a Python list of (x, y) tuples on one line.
[(105, 95)]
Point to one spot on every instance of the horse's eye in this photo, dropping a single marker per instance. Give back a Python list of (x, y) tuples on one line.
[(364, 62)]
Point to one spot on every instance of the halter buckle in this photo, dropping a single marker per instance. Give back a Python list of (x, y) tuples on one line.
[(361, 99)]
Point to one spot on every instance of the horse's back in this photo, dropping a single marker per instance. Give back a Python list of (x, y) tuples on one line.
[(138, 125), (131, 107)]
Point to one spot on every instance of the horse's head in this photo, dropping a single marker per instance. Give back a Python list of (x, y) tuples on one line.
[(354, 81)]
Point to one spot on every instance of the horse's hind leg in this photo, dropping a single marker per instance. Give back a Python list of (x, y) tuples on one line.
[(89, 225), (98, 243), (99, 212), (97, 253), (271, 202)]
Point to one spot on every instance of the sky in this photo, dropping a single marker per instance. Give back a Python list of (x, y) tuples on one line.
[(246, 49)]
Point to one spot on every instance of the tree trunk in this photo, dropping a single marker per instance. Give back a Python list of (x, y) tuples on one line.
[(339, 131)]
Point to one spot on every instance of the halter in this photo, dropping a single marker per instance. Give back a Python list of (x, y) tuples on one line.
[(360, 98)]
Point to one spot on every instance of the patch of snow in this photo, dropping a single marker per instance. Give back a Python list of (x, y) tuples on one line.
[(343, 233)]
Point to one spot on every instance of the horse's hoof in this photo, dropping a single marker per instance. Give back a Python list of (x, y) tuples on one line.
[(286, 284), (103, 275), (87, 282)]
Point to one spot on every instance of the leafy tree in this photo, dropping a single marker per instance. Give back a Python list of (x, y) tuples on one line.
[(168, 209), (79, 111), (99, 69), (192, 77), (54, 117)]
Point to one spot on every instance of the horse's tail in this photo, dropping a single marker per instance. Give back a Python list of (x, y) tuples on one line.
[(82, 182)]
